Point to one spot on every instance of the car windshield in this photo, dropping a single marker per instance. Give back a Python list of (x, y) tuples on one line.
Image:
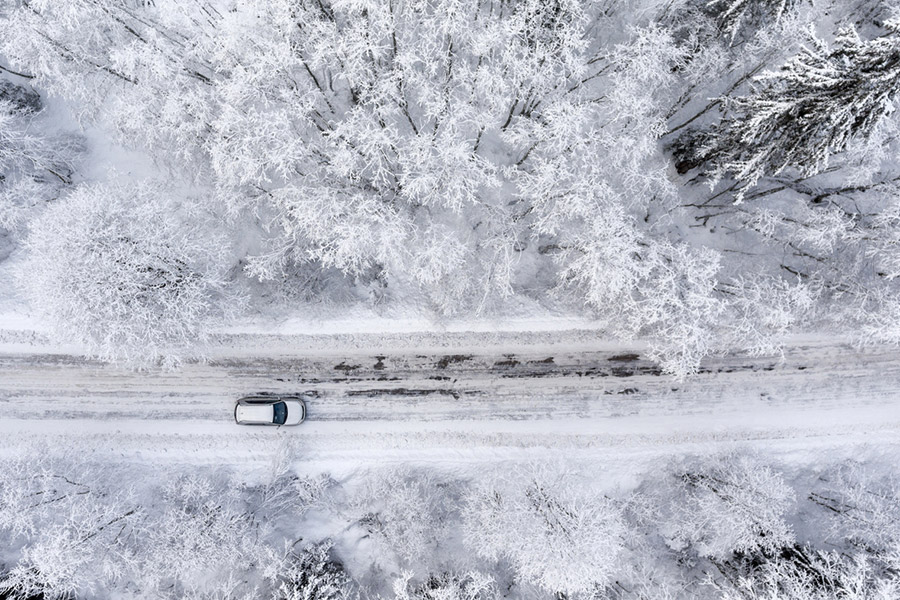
[(280, 413)]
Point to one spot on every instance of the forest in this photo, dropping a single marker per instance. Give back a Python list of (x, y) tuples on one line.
[(705, 175), (733, 525)]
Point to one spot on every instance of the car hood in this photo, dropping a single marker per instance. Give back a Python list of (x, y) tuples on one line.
[(295, 413)]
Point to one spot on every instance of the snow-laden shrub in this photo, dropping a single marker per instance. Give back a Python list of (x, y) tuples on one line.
[(20, 99), (313, 574), (728, 504), (555, 533), (807, 574), (127, 270), (446, 586)]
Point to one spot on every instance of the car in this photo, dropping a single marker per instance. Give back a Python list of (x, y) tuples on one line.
[(270, 410)]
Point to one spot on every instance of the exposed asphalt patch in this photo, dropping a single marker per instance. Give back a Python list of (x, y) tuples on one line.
[(546, 361), (509, 363), (450, 359), (624, 358), (402, 392)]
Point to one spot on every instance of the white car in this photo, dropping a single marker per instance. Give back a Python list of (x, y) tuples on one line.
[(270, 410)]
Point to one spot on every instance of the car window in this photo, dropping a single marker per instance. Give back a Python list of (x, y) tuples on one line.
[(280, 413)]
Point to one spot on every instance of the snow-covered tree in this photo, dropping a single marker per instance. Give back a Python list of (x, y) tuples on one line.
[(864, 509), (200, 537), (766, 310), (34, 164), (737, 15), (114, 58), (20, 98), (127, 270), (810, 109), (810, 243), (555, 533), (75, 556), (727, 505), (678, 306), (74, 524), (74, 528), (404, 510)]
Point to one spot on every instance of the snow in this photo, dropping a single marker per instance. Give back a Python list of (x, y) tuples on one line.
[(374, 324), (414, 386)]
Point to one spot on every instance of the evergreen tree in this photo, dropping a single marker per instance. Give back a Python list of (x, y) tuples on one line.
[(735, 16), (813, 107)]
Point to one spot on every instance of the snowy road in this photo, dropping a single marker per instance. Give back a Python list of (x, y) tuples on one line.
[(555, 396)]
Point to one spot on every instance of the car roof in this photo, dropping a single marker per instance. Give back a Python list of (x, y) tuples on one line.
[(260, 413)]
